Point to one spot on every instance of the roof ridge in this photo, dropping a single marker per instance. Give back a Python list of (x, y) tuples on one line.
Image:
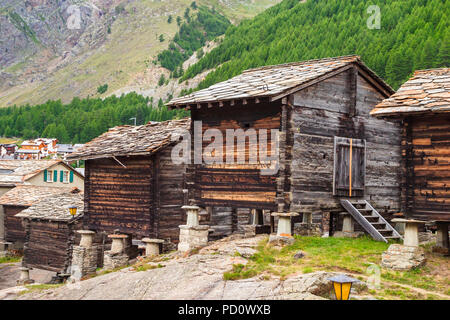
[(430, 70), (296, 63)]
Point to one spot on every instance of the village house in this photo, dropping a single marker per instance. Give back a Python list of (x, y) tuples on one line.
[(422, 104), (7, 151), (50, 231), (44, 173), (14, 201), (335, 160), (37, 149), (62, 150), (132, 188)]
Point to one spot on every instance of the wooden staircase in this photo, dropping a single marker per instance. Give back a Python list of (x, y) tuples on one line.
[(370, 220)]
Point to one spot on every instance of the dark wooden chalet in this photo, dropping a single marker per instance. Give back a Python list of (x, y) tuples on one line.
[(329, 147), (131, 184), (50, 231), (20, 198), (423, 105)]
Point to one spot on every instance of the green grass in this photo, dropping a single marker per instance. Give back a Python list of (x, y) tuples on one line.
[(349, 256), (40, 287), (10, 259)]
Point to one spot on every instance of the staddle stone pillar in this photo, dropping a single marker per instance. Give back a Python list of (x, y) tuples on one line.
[(347, 224), (284, 223), (411, 236), (24, 277), (192, 234), (442, 240), (152, 246), (118, 243), (87, 237), (192, 215)]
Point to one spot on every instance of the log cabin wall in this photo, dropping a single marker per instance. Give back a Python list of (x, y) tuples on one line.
[(119, 198), (426, 188), (238, 185), (329, 109), (14, 230), (49, 244), (170, 196)]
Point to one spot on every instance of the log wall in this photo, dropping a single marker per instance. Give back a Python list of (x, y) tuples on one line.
[(118, 198), (323, 111), (426, 150), (49, 244), (14, 230), (235, 185)]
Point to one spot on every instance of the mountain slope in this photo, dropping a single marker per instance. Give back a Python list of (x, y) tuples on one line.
[(413, 34), (42, 58)]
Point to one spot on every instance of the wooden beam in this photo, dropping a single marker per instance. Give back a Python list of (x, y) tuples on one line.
[(353, 91)]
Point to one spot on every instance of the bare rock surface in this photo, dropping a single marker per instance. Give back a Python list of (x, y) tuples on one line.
[(199, 276)]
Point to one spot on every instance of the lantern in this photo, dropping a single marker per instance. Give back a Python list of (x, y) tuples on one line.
[(73, 210), (342, 285)]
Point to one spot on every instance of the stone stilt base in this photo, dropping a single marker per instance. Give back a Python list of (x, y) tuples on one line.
[(251, 230), (307, 229), (280, 240), (24, 277), (192, 237), (403, 258), (112, 260), (84, 261)]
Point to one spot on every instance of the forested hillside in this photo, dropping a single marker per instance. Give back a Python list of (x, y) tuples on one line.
[(413, 34), (83, 119)]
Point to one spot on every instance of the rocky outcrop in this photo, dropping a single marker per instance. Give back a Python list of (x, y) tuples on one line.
[(197, 277), (402, 258)]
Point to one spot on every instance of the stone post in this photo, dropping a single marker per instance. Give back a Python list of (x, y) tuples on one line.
[(84, 256), (406, 256), (192, 234), (411, 237), (284, 234), (347, 224), (87, 237), (442, 241), (307, 217), (117, 256), (24, 276), (152, 246)]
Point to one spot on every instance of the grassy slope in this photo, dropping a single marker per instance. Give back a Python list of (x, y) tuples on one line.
[(131, 46), (350, 256)]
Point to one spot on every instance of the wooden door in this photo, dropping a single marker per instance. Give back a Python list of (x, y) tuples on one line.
[(349, 167)]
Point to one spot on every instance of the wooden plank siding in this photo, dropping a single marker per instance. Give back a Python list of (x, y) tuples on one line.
[(320, 113), (236, 185), (14, 230), (49, 244), (426, 189), (120, 198)]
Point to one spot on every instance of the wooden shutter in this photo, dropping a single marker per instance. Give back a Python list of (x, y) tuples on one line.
[(55, 175), (61, 176), (71, 177), (349, 167), (45, 175)]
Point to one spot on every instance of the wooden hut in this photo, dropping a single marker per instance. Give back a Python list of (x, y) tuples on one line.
[(131, 184), (330, 149), (18, 199), (423, 106), (50, 231)]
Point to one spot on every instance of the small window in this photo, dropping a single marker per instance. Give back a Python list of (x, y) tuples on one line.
[(66, 176), (50, 176)]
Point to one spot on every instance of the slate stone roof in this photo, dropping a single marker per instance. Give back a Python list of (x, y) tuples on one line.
[(23, 170), (27, 195), (55, 208), (274, 81), (428, 91), (132, 140)]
